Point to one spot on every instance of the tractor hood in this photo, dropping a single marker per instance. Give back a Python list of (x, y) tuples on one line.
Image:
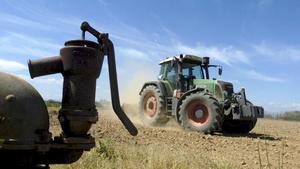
[(212, 86)]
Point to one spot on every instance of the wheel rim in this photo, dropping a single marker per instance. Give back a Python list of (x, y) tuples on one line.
[(150, 106), (197, 114)]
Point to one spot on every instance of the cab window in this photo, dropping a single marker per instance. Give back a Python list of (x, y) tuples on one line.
[(192, 70), (197, 72), (170, 71), (162, 71), (171, 75)]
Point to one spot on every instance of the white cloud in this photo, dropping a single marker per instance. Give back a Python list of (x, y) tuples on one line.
[(38, 18), (130, 52), (19, 44), (278, 52), (259, 76), (168, 44), (279, 107), (227, 54), (158, 50), (16, 20), (11, 66)]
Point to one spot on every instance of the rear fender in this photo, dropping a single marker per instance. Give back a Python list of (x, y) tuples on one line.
[(158, 84)]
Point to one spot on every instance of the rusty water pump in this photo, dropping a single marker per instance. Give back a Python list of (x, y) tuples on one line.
[(25, 140)]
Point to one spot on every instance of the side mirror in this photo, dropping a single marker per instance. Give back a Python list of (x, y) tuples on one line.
[(220, 71)]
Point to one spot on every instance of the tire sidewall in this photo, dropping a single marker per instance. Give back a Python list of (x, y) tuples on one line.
[(197, 97), (158, 118)]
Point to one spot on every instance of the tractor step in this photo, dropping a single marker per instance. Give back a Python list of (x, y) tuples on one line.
[(169, 105)]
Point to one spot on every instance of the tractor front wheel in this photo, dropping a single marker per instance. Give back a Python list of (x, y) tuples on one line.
[(200, 112), (152, 106)]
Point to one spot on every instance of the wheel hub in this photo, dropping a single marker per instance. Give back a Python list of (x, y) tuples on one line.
[(197, 114), (150, 107)]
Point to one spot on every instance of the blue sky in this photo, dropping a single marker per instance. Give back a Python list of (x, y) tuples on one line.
[(257, 41)]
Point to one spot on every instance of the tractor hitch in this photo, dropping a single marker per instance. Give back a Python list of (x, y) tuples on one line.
[(242, 109)]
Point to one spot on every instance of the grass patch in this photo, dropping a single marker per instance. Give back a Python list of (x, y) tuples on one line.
[(106, 150), (110, 155)]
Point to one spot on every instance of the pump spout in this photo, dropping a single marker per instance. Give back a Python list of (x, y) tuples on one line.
[(46, 66)]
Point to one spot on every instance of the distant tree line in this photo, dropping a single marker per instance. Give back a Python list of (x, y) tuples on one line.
[(101, 104), (291, 115), (52, 103)]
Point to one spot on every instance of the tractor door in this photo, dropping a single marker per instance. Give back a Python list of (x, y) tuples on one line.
[(171, 74)]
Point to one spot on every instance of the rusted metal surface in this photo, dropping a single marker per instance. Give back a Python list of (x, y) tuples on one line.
[(80, 63), (20, 105), (45, 66)]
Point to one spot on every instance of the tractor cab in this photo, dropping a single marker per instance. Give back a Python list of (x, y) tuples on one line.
[(184, 71)]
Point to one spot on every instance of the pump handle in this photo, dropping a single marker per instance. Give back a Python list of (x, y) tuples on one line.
[(108, 49)]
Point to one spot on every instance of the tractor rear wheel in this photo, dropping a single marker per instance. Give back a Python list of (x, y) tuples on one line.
[(152, 106), (200, 112)]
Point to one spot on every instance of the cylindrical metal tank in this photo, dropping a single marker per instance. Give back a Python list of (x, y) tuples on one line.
[(24, 119)]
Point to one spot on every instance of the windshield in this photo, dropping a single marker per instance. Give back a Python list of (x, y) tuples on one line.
[(161, 72), (189, 69)]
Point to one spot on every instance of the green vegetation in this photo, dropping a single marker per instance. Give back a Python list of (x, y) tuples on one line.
[(106, 150), (52, 103), (100, 104), (291, 116), (110, 155)]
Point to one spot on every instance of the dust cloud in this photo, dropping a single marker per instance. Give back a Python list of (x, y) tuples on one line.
[(130, 93)]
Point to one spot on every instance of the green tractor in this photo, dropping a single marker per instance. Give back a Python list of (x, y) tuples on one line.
[(185, 91)]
